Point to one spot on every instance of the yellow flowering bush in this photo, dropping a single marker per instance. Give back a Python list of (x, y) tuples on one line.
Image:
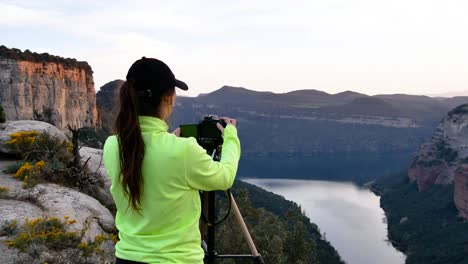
[(70, 147), (30, 174), (88, 249), (22, 139), (34, 146), (23, 171), (48, 158), (48, 231), (40, 164)]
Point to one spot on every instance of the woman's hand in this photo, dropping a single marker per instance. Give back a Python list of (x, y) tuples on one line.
[(176, 132), (228, 120)]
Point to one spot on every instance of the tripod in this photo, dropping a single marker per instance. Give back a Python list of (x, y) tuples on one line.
[(209, 199)]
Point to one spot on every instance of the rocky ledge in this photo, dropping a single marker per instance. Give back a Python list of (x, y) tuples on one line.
[(444, 159)]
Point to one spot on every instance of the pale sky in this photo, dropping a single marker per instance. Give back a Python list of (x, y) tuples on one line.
[(368, 46)]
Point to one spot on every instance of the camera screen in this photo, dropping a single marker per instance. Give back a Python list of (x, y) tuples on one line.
[(189, 131)]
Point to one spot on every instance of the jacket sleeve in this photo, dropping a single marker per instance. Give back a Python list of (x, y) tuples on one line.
[(202, 173)]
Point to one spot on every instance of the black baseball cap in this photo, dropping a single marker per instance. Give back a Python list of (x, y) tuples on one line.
[(152, 76)]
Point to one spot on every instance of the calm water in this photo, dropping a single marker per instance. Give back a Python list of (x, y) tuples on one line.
[(350, 217)]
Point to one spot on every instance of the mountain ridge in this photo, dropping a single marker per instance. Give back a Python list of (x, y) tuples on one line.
[(285, 134)]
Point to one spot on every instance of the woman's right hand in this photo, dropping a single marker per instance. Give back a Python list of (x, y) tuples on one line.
[(228, 121)]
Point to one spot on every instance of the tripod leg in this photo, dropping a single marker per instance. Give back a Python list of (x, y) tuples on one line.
[(244, 229)]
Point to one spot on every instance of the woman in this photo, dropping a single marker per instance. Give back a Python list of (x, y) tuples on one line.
[(156, 175)]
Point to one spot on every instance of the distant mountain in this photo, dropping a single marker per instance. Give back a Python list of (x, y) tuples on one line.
[(452, 94), (316, 135), (456, 101)]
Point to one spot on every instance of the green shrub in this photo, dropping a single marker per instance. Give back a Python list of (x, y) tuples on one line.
[(464, 161), (3, 191), (9, 228), (92, 137), (429, 163), (13, 168), (45, 116), (2, 115), (445, 152), (459, 110)]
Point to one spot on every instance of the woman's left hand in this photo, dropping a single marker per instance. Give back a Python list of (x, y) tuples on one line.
[(176, 132)]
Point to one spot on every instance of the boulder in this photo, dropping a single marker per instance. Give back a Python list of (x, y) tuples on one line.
[(10, 127), (93, 159), (55, 201), (8, 255), (88, 212), (17, 210), (403, 220), (95, 163), (15, 187)]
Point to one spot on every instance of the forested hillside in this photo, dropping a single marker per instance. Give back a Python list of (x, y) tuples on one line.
[(280, 231), (424, 225)]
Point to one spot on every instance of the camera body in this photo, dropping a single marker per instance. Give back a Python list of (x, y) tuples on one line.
[(205, 132)]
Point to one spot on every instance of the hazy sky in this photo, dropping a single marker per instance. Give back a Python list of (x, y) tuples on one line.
[(369, 46)]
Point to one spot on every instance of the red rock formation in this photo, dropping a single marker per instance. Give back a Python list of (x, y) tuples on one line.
[(425, 177), (461, 190), (444, 159)]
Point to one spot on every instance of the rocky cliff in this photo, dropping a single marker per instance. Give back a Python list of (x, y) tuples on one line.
[(49, 88), (107, 101), (444, 159)]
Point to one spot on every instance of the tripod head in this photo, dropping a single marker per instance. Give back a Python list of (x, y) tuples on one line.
[(206, 133)]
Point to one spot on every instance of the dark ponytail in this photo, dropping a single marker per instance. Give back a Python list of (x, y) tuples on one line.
[(131, 146)]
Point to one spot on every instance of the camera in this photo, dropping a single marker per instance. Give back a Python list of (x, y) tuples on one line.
[(205, 132)]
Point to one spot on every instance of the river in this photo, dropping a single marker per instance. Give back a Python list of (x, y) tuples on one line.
[(349, 216)]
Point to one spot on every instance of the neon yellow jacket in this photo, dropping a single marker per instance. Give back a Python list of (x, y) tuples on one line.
[(173, 169)]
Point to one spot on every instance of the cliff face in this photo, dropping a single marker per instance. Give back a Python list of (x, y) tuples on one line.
[(107, 100), (444, 159), (461, 190), (54, 90)]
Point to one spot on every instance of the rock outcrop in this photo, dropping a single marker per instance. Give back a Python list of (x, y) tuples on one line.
[(461, 190), (93, 159), (53, 89), (107, 101), (444, 159), (52, 200)]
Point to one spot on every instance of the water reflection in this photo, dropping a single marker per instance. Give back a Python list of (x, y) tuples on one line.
[(350, 217)]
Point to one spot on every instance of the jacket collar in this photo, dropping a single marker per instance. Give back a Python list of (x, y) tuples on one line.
[(152, 124)]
